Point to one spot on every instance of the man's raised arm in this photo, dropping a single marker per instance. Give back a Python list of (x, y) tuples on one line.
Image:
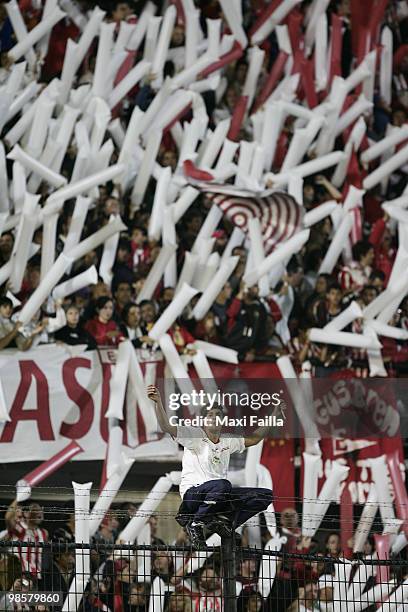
[(263, 431), (154, 394), (258, 435)]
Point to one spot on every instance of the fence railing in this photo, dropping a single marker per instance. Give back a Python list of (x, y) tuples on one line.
[(157, 578)]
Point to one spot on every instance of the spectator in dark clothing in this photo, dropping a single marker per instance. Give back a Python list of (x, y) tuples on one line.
[(6, 246), (144, 97), (73, 333), (99, 290), (317, 296), (6, 30), (123, 297), (148, 312), (328, 357), (166, 298), (93, 602), (246, 323), (135, 597), (59, 575), (131, 327), (327, 309), (221, 304), (122, 272), (236, 277), (377, 280), (207, 329)]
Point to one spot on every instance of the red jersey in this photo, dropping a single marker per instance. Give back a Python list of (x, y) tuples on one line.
[(30, 556), (384, 256), (99, 331), (181, 337)]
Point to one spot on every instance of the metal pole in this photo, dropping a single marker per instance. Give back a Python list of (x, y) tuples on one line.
[(228, 551)]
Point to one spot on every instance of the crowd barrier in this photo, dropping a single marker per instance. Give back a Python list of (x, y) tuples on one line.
[(226, 577)]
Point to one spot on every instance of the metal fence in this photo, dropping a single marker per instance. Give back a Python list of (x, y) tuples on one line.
[(120, 578)]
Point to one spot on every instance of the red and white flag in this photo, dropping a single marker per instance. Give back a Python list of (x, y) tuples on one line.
[(279, 214)]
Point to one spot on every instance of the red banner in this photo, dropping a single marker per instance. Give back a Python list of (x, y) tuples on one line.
[(278, 454)]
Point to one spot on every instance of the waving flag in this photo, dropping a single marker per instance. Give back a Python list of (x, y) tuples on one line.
[(279, 214)]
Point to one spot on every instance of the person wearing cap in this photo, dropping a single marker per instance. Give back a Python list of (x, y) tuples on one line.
[(221, 240), (210, 503)]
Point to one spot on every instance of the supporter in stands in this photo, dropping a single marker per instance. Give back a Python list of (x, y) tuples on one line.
[(312, 265), (122, 268), (122, 296), (10, 567), (236, 277), (246, 323), (354, 276), (93, 601), (121, 11), (162, 565), (148, 314), (220, 306), (325, 593), (137, 599), (367, 295), (382, 240), (26, 527), (317, 295), (108, 530), (102, 328), (139, 246), (307, 599), (330, 307), (154, 526), (247, 580), (6, 246), (207, 329), (238, 318), (276, 347), (179, 602), (166, 297), (255, 603), (128, 511), (73, 333), (208, 596), (182, 339), (58, 577), (285, 584), (377, 280), (131, 317), (332, 549), (10, 333), (20, 585)]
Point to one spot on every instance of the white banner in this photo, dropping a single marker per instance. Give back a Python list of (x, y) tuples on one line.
[(54, 395)]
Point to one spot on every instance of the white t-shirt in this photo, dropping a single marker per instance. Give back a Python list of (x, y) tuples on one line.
[(204, 460)]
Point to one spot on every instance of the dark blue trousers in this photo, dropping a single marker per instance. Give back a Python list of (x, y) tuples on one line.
[(220, 497)]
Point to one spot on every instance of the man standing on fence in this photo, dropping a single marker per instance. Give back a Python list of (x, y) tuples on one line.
[(210, 502)]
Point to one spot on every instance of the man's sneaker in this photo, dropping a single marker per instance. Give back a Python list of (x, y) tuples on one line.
[(195, 532), (183, 519), (221, 524)]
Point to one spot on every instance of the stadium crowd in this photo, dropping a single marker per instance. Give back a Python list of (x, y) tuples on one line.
[(260, 329), (128, 580)]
